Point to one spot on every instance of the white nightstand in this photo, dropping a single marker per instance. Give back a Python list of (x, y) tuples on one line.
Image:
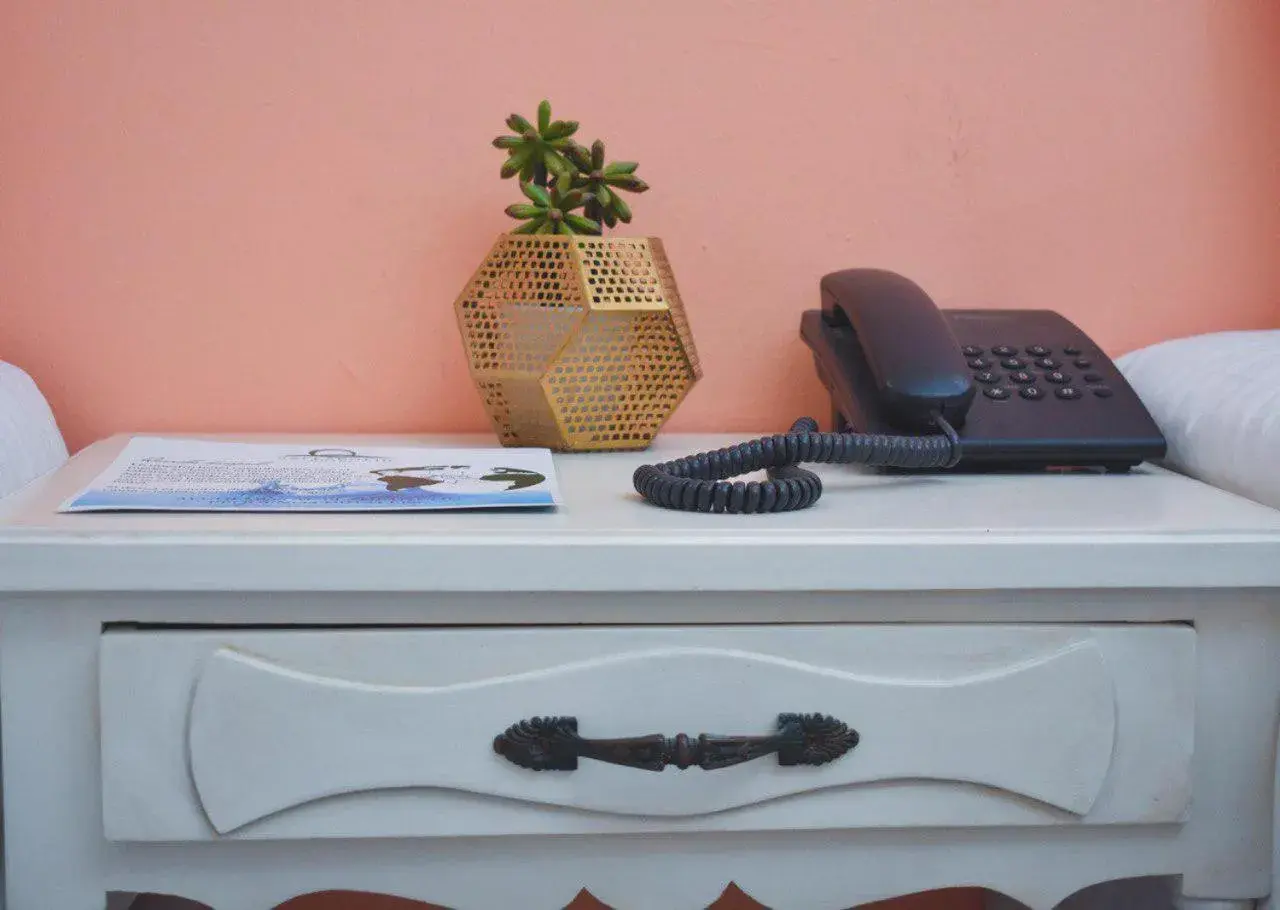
[(1044, 682)]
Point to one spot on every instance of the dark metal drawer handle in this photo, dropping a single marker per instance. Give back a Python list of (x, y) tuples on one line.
[(553, 744)]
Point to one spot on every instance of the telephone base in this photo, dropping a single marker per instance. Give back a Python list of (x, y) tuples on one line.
[(1004, 464), (1016, 468)]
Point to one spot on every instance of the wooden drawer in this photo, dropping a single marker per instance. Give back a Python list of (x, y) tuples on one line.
[(384, 733)]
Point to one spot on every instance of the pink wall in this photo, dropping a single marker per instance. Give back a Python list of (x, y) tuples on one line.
[(238, 215), (256, 216)]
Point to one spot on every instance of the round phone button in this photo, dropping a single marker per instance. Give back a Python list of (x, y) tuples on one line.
[(996, 392), (1093, 377), (1057, 377), (1003, 350), (979, 363), (986, 378), (1102, 392), (1022, 378), (1048, 363), (1013, 363), (1038, 350), (1083, 362), (971, 350), (1071, 350), (1031, 393), (1067, 393)]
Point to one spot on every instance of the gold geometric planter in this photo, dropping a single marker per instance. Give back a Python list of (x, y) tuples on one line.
[(577, 343)]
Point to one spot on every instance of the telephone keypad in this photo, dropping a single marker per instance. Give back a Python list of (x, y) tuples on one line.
[(1022, 380)]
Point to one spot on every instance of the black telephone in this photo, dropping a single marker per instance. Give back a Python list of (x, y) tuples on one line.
[(918, 388)]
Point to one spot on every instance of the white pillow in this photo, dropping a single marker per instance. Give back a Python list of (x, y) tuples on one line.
[(1216, 398), (30, 444)]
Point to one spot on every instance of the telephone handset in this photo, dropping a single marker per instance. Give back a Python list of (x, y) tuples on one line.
[(918, 388), (913, 360)]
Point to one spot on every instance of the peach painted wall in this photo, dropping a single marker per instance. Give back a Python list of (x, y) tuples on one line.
[(247, 215)]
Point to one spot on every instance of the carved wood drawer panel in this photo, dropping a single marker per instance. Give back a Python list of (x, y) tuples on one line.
[(400, 732)]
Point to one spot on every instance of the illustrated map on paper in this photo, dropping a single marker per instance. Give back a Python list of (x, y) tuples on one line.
[(163, 474)]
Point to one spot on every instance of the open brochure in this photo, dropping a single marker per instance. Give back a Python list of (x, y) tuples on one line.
[(163, 474)]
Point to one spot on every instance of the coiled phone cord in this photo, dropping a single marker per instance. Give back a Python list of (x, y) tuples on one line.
[(699, 483)]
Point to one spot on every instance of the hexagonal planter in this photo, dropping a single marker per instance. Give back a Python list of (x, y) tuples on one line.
[(577, 343)]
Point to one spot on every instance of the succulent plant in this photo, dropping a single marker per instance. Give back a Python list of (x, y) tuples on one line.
[(559, 176), (602, 181), (551, 211), (537, 151)]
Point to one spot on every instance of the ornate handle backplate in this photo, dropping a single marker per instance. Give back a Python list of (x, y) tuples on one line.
[(553, 744)]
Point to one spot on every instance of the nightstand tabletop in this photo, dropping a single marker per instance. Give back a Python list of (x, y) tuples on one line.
[(869, 531)]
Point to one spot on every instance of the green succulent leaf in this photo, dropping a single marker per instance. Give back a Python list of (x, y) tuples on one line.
[(627, 182), (519, 124), (597, 155), (620, 167), (556, 164), (507, 142), (528, 228), (561, 129), (579, 156), (545, 228), (610, 218), (516, 161), (603, 196), (524, 212), (582, 225), (563, 228), (536, 193), (572, 200), (544, 118), (621, 209)]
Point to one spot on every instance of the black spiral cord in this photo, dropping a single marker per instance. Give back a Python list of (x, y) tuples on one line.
[(699, 483)]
